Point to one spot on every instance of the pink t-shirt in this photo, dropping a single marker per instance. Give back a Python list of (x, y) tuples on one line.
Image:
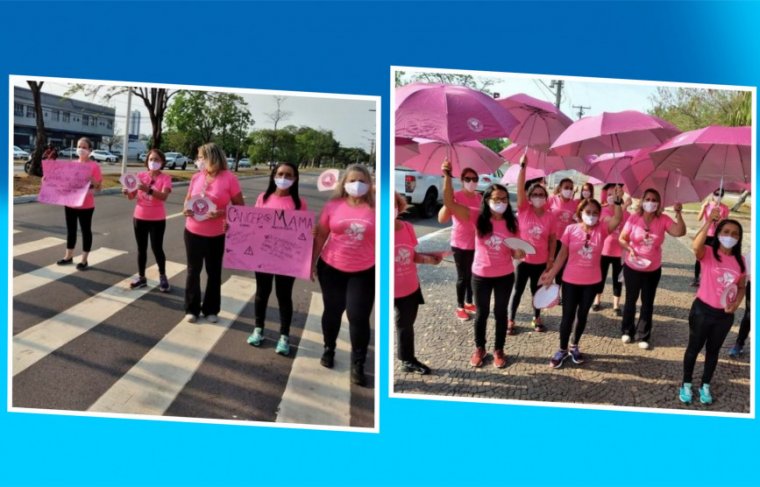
[(89, 200), (611, 247), (351, 244), (492, 257), (647, 244), (463, 232), (716, 277), (723, 209), (221, 190), (563, 211), (536, 230), (584, 257), (279, 202), (406, 281), (149, 207)]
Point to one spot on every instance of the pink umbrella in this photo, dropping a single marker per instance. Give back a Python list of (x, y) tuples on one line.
[(448, 113), (510, 176), (540, 121), (673, 186), (608, 167), (405, 150), (541, 160), (613, 132), (470, 154)]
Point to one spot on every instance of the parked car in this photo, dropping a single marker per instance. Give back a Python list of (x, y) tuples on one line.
[(176, 160), (117, 153), (487, 180), (244, 162), (68, 153), (103, 156), (425, 191), (19, 153), (142, 156)]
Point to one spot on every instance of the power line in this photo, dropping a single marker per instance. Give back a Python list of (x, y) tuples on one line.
[(581, 110)]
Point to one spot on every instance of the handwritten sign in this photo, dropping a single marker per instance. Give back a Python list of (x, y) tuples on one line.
[(65, 183), (269, 240)]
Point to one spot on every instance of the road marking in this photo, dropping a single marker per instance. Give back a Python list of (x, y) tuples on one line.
[(35, 245), (37, 342), (314, 394), (16, 231), (32, 280), (175, 215), (433, 234), (153, 383)]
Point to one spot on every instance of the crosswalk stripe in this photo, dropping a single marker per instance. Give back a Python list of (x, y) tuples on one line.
[(153, 383), (16, 231), (37, 342), (35, 245), (314, 394), (31, 280)]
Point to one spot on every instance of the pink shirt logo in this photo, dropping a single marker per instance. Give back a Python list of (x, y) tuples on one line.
[(586, 252), (355, 231), (535, 231), (404, 256), (494, 242)]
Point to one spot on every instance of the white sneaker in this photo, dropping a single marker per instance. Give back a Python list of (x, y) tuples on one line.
[(191, 318), (644, 345), (626, 339), (212, 318)]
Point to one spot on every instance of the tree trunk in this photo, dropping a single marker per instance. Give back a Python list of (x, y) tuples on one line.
[(741, 201), (41, 142)]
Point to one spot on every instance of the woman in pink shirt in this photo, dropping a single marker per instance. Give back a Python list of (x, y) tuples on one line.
[(611, 251), (642, 237), (344, 262), (281, 194), (714, 201), (582, 250), (536, 225), (82, 214), (563, 207), (462, 234), (587, 191), (720, 292), (150, 218), (407, 294), (204, 230)]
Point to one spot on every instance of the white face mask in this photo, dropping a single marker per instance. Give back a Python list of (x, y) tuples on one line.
[(567, 193), (283, 183), (650, 206), (154, 165), (356, 189), (538, 202), (200, 164), (497, 207), (82, 152), (586, 194), (589, 220), (727, 242), (471, 186)]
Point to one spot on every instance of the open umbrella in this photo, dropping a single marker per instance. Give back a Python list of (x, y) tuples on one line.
[(541, 160), (673, 186), (448, 113), (540, 121), (613, 132), (405, 150), (470, 154), (608, 167), (510, 176)]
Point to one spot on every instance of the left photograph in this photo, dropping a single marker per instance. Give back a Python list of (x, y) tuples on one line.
[(191, 253)]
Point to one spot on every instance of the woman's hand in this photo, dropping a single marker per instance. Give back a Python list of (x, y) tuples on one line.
[(188, 212), (142, 187), (546, 278), (678, 207), (518, 254), (446, 168), (715, 214)]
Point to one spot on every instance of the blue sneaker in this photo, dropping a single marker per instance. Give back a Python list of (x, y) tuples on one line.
[(684, 394), (704, 394), (735, 351), (256, 337), (576, 355), (558, 358), (283, 348)]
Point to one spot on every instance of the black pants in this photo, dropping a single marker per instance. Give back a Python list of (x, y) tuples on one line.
[(84, 217), (463, 261), (501, 288), (708, 328), (283, 286), (645, 284), (354, 293), (200, 250), (744, 326), (576, 303), (406, 314), (558, 277), (617, 266), (523, 273), (697, 266), (153, 230)]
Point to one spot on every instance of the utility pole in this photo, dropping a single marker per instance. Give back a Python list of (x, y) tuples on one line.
[(581, 109), (125, 151), (558, 84)]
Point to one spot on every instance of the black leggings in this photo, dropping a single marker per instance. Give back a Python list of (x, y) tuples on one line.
[(644, 283), (708, 328), (209, 251), (283, 286), (523, 273), (84, 216), (354, 293), (406, 314), (153, 229), (558, 277), (744, 326), (576, 302), (697, 266), (463, 261), (617, 266), (482, 288)]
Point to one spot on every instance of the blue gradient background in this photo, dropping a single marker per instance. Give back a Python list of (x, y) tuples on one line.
[(348, 48)]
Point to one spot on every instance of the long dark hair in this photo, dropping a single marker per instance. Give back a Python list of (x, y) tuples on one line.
[(484, 225), (736, 251), (293, 190)]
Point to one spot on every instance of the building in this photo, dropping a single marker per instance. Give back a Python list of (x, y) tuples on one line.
[(134, 124), (66, 120)]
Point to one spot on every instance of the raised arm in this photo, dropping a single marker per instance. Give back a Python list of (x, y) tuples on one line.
[(460, 211), (522, 196), (679, 229), (617, 217), (699, 240)]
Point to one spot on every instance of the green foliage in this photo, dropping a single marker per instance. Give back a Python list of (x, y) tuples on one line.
[(694, 108), (496, 145), (475, 82), (303, 146)]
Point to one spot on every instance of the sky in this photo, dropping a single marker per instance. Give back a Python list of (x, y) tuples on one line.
[(352, 121)]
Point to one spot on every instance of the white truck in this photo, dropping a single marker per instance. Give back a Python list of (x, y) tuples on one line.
[(425, 191)]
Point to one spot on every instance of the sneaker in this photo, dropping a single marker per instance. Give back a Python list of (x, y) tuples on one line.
[(596, 307), (357, 374), (256, 337), (626, 338), (704, 394), (684, 394), (82, 266), (695, 283), (538, 325), (138, 282), (163, 284), (191, 318), (415, 366), (644, 345), (558, 358), (283, 347), (511, 328), (212, 318), (499, 359), (462, 314), (328, 358), (477, 357), (735, 351), (65, 261), (470, 308), (618, 312), (576, 355)]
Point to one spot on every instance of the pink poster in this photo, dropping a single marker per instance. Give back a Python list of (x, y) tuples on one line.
[(65, 183), (269, 240)]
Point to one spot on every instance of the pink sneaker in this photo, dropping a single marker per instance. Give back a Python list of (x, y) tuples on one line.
[(470, 308), (462, 314)]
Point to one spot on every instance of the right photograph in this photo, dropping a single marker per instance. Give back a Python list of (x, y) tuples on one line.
[(578, 242)]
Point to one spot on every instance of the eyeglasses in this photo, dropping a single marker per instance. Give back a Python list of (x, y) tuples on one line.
[(470, 179), (588, 239)]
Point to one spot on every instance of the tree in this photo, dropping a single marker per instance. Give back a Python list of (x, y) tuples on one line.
[(114, 139), (276, 117), (231, 120), (475, 82), (41, 140), (496, 145), (695, 108), (313, 145), (189, 115)]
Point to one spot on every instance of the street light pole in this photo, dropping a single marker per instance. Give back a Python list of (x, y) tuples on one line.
[(125, 148)]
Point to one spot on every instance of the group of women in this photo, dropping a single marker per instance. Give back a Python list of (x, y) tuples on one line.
[(575, 242), (343, 256)]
